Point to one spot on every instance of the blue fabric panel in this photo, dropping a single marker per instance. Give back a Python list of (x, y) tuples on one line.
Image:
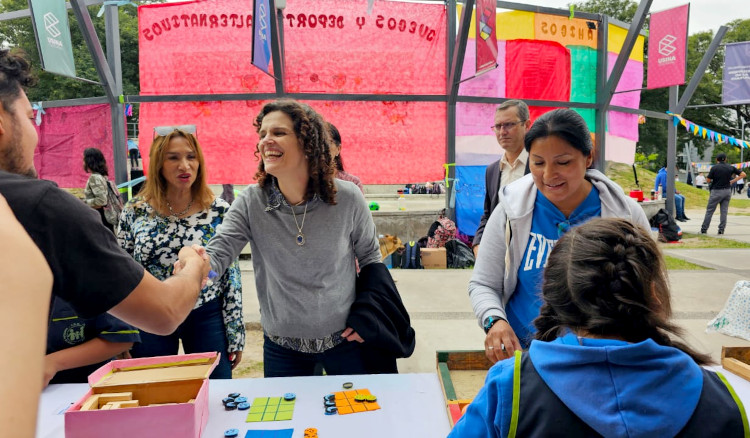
[(469, 197)]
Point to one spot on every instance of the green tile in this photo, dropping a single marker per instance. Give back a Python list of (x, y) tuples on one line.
[(274, 401), (286, 402), (286, 408), (260, 401), (255, 409), (284, 416), (253, 417), (269, 416)]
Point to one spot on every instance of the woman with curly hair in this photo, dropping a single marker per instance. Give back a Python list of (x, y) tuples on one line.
[(95, 193), (607, 360), (305, 229)]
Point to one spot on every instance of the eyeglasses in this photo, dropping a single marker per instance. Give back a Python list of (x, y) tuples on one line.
[(163, 131), (507, 126)]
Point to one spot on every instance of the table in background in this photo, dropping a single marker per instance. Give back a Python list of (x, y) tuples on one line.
[(411, 405)]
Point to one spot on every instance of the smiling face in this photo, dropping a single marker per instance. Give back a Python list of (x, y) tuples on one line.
[(181, 165), (280, 148), (559, 170)]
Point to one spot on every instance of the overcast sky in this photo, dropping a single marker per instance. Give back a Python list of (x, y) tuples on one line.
[(704, 14)]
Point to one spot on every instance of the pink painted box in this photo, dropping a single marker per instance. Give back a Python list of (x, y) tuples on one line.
[(172, 392)]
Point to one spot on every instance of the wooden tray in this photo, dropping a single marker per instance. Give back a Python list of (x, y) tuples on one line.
[(462, 374), (736, 360)]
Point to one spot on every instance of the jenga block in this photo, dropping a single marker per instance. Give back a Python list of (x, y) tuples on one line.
[(91, 403), (107, 406), (129, 404), (192, 400), (115, 396)]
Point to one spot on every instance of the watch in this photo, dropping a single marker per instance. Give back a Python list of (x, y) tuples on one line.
[(490, 321)]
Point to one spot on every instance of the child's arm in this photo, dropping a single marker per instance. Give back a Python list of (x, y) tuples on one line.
[(90, 352)]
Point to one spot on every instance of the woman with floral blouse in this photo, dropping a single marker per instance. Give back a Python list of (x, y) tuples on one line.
[(176, 208)]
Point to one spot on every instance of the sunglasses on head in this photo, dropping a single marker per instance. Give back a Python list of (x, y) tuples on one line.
[(162, 131)]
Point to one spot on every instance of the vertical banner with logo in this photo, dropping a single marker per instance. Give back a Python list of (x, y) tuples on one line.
[(50, 19), (667, 47), (736, 74), (486, 37), (261, 55)]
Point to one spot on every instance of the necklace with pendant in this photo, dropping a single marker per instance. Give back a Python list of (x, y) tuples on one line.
[(182, 213), (300, 236)]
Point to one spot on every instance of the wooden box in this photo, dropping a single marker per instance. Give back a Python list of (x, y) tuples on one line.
[(736, 360), (462, 375)]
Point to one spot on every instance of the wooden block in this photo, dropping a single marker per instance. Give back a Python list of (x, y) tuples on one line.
[(129, 404), (91, 403), (192, 400), (107, 407), (114, 397), (740, 368)]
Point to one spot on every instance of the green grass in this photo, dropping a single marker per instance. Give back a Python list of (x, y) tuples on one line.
[(702, 241), (622, 174), (674, 264)]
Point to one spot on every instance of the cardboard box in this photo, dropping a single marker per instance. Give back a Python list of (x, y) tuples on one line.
[(434, 258), (178, 384)]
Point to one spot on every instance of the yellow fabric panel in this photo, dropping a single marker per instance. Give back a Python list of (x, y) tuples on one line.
[(512, 25), (564, 30), (617, 36)]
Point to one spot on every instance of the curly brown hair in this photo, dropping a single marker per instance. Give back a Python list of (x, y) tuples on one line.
[(312, 131), (607, 278)]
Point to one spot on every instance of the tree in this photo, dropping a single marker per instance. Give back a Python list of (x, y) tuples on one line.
[(623, 10)]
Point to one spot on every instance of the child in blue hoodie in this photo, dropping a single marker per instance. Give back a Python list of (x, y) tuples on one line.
[(605, 361)]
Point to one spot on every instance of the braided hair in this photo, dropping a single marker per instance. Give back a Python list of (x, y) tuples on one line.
[(314, 137), (607, 279)]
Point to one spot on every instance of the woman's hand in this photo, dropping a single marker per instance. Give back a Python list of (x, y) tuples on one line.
[(501, 342), (235, 357), (351, 335), (50, 369)]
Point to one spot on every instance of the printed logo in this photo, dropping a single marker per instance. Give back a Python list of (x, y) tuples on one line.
[(50, 23), (73, 334), (666, 49)]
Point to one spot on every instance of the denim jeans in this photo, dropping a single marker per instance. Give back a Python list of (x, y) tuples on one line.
[(202, 331), (679, 203), (345, 358)]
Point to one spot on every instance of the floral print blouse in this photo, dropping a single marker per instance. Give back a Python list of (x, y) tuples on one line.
[(154, 241)]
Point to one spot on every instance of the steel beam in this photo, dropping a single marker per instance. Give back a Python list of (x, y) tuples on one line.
[(600, 115), (117, 113), (671, 151), (95, 48), (26, 13)]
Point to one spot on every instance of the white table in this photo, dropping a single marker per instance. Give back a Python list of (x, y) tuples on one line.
[(411, 405)]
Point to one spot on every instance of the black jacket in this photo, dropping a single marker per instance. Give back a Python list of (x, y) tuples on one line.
[(378, 315), (491, 196)]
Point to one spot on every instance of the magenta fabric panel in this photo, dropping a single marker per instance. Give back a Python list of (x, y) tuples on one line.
[(383, 150), (623, 124), (537, 70), (490, 84), (332, 46), (64, 134)]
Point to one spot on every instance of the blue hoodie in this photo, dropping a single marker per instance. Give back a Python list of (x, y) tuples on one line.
[(617, 388), (661, 178)]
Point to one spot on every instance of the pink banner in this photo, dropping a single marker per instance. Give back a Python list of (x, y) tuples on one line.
[(399, 48), (383, 150), (624, 124), (64, 134), (667, 47), (486, 37)]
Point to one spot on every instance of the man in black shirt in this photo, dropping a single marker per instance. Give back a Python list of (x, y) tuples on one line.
[(720, 179), (90, 270)]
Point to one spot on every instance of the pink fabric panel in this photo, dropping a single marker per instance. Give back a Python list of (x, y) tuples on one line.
[(490, 84), (399, 48), (64, 134), (619, 150), (383, 150), (623, 124), (474, 118)]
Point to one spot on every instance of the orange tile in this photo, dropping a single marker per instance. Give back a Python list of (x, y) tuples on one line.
[(346, 410), (358, 408), (363, 391), (372, 406)]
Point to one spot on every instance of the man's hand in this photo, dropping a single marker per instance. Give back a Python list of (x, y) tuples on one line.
[(501, 342), (351, 335), (194, 254)]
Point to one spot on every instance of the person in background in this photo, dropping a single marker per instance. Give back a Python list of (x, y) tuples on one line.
[(305, 229), (679, 200), (720, 177), (95, 192), (24, 301), (133, 153), (607, 360), (740, 185), (336, 153), (533, 213), (512, 121), (176, 208), (77, 346), (700, 181)]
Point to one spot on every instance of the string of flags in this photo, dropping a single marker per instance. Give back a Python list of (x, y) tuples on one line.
[(702, 132)]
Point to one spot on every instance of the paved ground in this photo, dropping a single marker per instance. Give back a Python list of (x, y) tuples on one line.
[(442, 317)]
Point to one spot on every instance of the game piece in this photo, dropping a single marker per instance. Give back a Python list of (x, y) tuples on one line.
[(348, 385), (240, 400), (331, 410), (234, 395), (243, 406), (329, 397), (226, 400), (360, 398), (371, 398), (231, 433), (289, 396), (230, 406)]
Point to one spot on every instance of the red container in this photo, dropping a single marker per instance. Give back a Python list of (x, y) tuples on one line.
[(637, 195)]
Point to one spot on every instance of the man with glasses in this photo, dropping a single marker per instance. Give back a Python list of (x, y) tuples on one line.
[(511, 123), (90, 270)]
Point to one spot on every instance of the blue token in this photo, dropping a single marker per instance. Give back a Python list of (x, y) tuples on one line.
[(328, 404), (331, 410), (329, 397), (231, 433), (226, 400), (240, 400), (289, 396), (230, 406), (243, 406), (234, 395)]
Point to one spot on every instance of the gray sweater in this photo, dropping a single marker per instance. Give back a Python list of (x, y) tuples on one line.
[(304, 291)]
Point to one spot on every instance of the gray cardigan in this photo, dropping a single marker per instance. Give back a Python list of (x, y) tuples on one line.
[(304, 291), (496, 271)]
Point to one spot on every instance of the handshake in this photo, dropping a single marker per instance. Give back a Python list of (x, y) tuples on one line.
[(195, 255)]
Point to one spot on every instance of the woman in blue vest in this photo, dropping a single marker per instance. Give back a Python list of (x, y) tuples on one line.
[(606, 360)]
